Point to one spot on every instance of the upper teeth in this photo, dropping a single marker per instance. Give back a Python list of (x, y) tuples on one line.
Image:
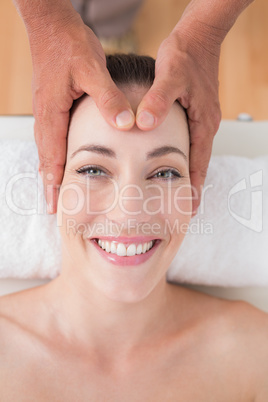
[(121, 250)]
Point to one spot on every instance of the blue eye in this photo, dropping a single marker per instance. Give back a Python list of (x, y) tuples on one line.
[(168, 174), (95, 171), (91, 171)]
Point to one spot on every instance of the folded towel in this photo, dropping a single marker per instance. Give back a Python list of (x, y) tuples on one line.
[(227, 240), (226, 243), (29, 238)]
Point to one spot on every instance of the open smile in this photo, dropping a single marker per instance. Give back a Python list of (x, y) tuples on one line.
[(131, 252)]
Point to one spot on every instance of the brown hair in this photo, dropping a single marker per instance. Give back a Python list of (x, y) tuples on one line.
[(127, 69), (131, 69)]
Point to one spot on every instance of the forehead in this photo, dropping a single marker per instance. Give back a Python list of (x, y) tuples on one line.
[(88, 125)]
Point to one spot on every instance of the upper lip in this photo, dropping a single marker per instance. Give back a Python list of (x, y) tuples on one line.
[(125, 239)]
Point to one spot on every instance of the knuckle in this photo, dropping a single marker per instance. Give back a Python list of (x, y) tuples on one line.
[(199, 172), (47, 163), (206, 124), (109, 98), (203, 171), (216, 119), (41, 111), (213, 124), (50, 160), (159, 99), (172, 69)]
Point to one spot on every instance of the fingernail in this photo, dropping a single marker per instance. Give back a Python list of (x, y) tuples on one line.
[(145, 119), (124, 119)]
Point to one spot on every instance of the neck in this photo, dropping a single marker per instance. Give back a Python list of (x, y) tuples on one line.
[(85, 316)]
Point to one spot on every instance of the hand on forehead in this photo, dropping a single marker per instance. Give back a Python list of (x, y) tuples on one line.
[(88, 126)]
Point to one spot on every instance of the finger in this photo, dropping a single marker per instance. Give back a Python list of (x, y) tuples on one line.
[(50, 136), (156, 103), (202, 135), (111, 101), (199, 160)]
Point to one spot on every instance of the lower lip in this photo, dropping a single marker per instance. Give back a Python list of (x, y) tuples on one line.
[(133, 260)]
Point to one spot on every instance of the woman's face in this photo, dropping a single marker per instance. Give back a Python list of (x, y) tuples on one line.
[(124, 193)]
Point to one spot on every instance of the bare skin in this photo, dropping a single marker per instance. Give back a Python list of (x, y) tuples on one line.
[(103, 331), (68, 61), (209, 350)]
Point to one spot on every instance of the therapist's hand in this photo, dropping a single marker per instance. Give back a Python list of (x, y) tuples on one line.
[(68, 60), (187, 70)]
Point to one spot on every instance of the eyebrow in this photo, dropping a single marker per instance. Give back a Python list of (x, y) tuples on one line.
[(105, 151), (98, 149), (164, 150)]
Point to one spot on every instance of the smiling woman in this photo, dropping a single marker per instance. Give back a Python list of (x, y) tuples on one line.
[(110, 327), (125, 178)]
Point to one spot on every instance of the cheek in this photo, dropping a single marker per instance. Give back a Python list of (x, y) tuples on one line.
[(179, 211), (182, 202), (176, 220), (70, 206), (170, 202), (80, 203), (100, 196)]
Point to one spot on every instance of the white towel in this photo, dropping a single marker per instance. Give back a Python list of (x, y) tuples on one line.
[(226, 244), (30, 242)]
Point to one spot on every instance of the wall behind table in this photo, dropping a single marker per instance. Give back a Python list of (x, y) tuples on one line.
[(15, 63), (244, 58), (243, 66)]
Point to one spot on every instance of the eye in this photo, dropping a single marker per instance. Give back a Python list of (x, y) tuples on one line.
[(167, 174), (91, 171)]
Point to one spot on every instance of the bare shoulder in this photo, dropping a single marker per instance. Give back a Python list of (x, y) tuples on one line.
[(243, 335), (23, 327), (244, 318), (7, 315), (240, 321), (237, 316), (11, 308), (230, 339), (20, 314), (10, 339), (251, 326), (11, 319), (23, 352), (24, 309)]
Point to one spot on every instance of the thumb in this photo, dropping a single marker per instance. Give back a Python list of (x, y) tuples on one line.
[(156, 104), (111, 101)]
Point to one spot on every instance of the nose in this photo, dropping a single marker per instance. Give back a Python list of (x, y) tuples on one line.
[(129, 205)]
